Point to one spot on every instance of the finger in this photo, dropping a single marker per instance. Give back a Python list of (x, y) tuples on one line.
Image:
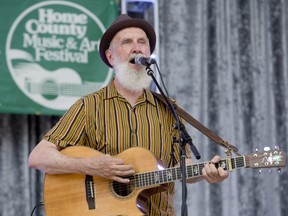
[(216, 159), (124, 173), (206, 176), (222, 172), (206, 171), (123, 167), (121, 180), (211, 170)]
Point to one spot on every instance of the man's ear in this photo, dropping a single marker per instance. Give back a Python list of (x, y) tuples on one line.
[(109, 57)]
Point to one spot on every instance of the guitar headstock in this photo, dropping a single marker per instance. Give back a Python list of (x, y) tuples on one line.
[(266, 159)]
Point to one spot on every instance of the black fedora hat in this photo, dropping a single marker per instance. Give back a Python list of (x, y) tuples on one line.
[(124, 21)]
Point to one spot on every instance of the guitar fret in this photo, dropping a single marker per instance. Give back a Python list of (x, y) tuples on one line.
[(165, 176), (179, 174), (156, 177), (142, 180), (174, 174), (161, 176), (195, 170), (136, 181), (234, 164), (239, 162), (229, 164), (186, 172), (139, 180), (201, 166), (189, 172), (153, 178), (146, 179), (169, 176), (149, 179)]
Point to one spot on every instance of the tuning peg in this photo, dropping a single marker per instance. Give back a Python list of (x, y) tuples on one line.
[(276, 147), (279, 170), (260, 171), (266, 148), (256, 149)]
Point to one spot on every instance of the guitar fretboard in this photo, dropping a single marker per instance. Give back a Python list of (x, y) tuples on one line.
[(174, 173), (66, 89)]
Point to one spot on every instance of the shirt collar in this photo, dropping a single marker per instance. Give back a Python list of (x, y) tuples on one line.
[(149, 97), (112, 92)]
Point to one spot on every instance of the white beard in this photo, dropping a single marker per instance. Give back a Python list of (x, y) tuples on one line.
[(133, 80)]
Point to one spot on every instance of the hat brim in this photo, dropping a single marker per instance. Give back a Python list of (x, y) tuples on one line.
[(115, 28)]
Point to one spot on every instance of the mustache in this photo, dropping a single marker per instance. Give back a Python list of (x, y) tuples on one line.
[(132, 58)]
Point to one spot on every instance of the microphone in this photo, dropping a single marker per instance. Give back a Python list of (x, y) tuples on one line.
[(142, 60)]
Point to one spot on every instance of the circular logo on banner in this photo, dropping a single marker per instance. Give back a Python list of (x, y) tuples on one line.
[(52, 53)]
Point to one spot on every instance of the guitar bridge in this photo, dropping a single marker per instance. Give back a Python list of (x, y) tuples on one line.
[(90, 195)]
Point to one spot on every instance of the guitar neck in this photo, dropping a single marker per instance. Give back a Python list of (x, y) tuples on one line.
[(192, 171), (65, 89)]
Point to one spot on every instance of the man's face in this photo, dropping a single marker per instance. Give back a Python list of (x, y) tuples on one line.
[(126, 44)]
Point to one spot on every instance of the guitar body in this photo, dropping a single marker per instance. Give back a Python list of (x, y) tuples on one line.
[(76, 194), (65, 194)]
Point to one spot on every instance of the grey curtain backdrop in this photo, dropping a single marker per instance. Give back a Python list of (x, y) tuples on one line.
[(225, 62)]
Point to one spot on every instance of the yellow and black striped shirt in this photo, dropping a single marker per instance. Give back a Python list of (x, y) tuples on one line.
[(108, 123)]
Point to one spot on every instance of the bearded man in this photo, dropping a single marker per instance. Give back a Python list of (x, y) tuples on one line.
[(123, 115)]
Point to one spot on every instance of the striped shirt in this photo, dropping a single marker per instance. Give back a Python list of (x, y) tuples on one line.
[(108, 123)]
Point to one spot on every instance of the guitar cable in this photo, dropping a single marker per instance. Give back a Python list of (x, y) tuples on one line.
[(36, 206)]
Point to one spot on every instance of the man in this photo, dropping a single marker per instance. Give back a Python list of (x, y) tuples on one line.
[(122, 115)]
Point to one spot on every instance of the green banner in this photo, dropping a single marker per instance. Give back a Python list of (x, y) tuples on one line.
[(49, 53)]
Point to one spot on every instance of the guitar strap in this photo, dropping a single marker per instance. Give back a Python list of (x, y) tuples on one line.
[(192, 121)]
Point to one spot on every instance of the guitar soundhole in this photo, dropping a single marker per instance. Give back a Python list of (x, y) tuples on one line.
[(123, 190), (49, 90)]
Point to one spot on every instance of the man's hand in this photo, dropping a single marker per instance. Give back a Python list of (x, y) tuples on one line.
[(211, 173), (107, 167)]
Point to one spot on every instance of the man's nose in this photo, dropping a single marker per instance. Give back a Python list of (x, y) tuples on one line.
[(136, 48)]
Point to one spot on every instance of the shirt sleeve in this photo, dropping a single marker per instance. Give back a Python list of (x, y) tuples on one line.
[(70, 129)]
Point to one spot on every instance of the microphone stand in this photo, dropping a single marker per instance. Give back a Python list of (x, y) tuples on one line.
[(184, 138)]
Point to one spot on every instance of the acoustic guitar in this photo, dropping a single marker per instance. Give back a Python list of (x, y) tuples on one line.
[(76, 194)]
